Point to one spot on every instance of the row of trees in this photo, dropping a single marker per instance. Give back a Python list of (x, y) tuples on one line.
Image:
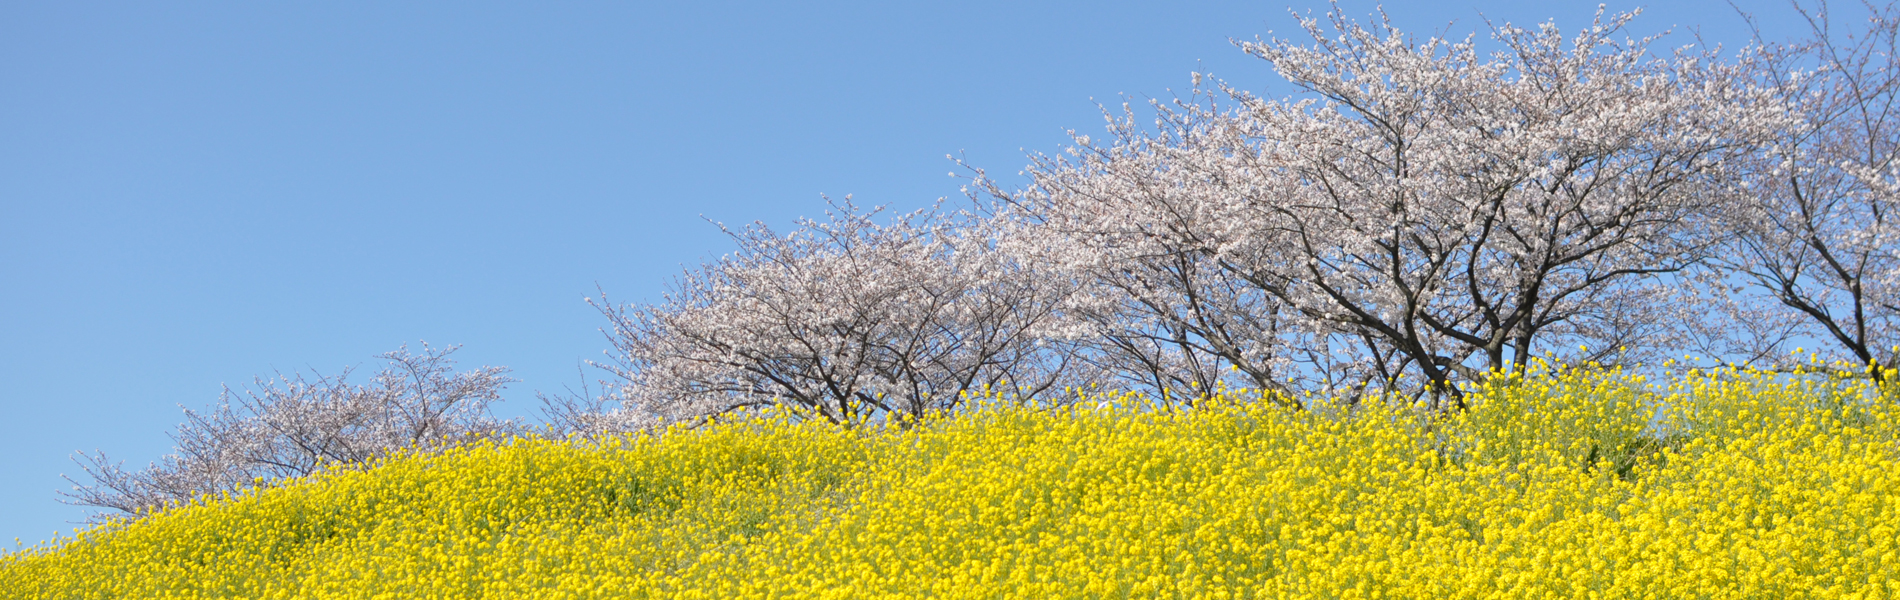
[(1419, 215)]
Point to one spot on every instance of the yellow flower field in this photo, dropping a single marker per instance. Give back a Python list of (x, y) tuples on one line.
[(1726, 485)]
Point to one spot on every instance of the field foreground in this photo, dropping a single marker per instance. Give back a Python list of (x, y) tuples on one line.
[(1711, 486)]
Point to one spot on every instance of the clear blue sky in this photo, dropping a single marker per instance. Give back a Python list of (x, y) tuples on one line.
[(195, 193)]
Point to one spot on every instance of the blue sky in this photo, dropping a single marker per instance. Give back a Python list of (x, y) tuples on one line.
[(195, 193)]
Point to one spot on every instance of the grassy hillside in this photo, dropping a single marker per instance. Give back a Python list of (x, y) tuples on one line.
[(1578, 486)]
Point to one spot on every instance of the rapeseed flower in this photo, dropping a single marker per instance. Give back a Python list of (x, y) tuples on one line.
[(1575, 484)]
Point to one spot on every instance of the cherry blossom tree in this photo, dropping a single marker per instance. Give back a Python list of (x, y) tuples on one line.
[(1423, 208), (1818, 236), (844, 319), (296, 425), (1159, 318)]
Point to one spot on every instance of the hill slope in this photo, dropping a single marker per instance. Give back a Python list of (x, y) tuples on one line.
[(1741, 487)]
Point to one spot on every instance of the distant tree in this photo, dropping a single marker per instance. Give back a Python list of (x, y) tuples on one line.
[(1819, 236), (1426, 210), (294, 426), (844, 319)]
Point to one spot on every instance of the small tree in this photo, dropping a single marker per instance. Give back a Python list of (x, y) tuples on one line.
[(295, 426), (845, 319)]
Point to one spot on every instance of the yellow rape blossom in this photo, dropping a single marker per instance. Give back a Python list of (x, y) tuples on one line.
[(1575, 485)]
